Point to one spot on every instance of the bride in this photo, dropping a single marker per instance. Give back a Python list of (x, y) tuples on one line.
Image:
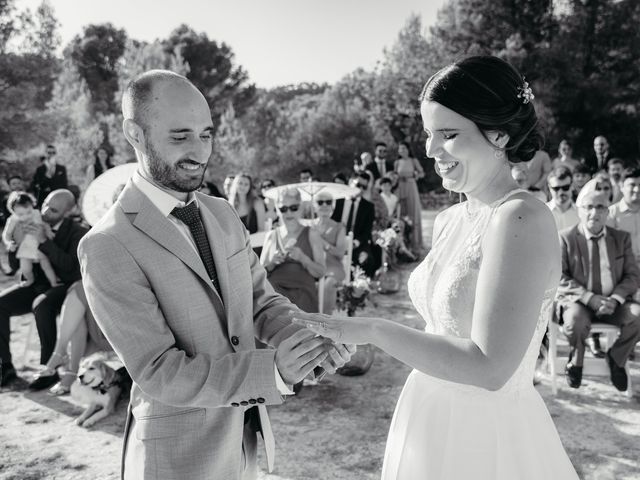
[(469, 409)]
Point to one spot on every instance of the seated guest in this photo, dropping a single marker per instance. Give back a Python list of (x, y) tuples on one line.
[(340, 178), (599, 278), (581, 175), (334, 244), (293, 254), (520, 174), (604, 184), (269, 204), (561, 205), (625, 215), (249, 206), (59, 238), (358, 216), (615, 169), (80, 334), (390, 199)]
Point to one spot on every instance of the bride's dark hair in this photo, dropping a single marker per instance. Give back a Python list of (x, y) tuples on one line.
[(485, 90)]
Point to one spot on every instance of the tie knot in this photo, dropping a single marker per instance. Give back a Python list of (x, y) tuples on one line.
[(189, 214)]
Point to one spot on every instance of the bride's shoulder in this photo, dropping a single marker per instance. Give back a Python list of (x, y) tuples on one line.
[(446, 215), (527, 215)]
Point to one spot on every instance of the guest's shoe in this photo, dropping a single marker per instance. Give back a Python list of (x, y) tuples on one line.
[(593, 344), (618, 374), (44, 379), (8, 374), (574, 375)]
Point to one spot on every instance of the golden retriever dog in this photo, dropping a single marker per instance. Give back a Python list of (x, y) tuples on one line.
[(99, 386)]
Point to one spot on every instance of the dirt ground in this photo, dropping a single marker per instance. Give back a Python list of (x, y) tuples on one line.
[(336, 430)]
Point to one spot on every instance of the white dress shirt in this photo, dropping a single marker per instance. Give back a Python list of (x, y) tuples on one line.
[(382, 166), (165, 202), (566, 219), (391, 201), (606, 275), (623, 218)]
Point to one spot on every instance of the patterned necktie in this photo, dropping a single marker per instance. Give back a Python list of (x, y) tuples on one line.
[(596, 281), (190, 215)]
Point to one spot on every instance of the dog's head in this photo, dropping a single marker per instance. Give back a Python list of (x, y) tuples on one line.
[(94, 371)]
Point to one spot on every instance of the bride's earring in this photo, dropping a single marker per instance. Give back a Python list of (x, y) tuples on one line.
[(498, 153)]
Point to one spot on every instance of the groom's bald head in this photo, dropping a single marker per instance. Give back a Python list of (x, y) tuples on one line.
[(142, 92)]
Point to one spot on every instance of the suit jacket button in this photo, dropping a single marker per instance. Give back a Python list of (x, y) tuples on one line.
[(235, 341), (235, 404), (252, 401), (260, 400), (244, 402)]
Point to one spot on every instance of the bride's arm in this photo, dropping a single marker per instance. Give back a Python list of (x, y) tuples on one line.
[(521, 259)]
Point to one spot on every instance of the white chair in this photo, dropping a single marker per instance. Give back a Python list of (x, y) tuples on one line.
[(591, 365), (346, 264)]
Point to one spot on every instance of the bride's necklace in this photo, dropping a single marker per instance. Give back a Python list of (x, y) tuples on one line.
[(472, 213)]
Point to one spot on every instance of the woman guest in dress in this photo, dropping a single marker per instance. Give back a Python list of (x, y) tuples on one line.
[(293, 254), (564, 158), (79, 335), (486, 290), (249, 206), (334, 244), (101, 163), (408, 170)]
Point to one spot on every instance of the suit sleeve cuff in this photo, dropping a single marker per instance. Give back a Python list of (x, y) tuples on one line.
[(619, 298), (586, 296), (282, 387)]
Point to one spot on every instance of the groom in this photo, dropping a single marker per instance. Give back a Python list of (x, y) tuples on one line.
[(174, 284)]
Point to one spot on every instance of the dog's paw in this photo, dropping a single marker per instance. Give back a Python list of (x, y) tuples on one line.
[(88, 423)]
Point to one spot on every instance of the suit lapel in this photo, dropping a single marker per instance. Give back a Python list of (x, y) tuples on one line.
[(611, 253), (218, 249), (583, 248), (149, 220)]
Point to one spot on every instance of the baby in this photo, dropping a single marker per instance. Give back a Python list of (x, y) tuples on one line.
[(21, 206)]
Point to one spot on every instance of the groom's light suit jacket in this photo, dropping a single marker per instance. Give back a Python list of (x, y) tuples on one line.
[(191, 355)]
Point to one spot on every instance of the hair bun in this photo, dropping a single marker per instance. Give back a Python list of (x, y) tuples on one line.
[(524, 146)]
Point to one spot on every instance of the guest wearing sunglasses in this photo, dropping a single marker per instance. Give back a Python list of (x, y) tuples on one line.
[(564, 211), (334, 244), (293, 254)]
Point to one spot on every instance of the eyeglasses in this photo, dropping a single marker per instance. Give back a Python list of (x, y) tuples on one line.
[(51, 152), (597, 208), (267, 185), (362, 185), (324, 202), (285, 209), (564, 188)]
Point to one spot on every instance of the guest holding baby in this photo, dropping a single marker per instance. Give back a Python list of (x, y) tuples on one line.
[(58, 238), (16, 238), (293, 254)]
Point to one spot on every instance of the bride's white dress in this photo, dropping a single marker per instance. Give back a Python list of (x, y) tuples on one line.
[(450, 431)]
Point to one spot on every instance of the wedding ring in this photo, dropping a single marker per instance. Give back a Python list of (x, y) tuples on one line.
[(323, 325)]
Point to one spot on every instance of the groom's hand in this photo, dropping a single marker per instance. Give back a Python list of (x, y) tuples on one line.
[(339, 355), (299, 354)]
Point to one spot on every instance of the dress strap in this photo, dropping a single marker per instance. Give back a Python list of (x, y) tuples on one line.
[(505, 197)]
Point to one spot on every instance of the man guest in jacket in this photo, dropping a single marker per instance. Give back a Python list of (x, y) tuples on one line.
[(49, 176), (174, 284), (59, 237), (599, 278)]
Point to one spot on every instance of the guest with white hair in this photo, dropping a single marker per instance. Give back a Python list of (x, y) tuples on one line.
[(603, 292)]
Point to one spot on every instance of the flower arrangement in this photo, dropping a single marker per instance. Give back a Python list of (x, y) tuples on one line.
[(386, 238), (353, 295)]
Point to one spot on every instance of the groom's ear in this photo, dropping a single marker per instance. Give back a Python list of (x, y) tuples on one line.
[(134, 135)]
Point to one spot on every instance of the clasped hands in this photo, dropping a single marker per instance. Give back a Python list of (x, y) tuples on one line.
[(602, 305), (42, 231)]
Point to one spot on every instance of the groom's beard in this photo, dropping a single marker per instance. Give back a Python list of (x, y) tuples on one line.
[(168, 175)]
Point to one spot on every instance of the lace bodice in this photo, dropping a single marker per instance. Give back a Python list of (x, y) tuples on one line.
[(442, 288)]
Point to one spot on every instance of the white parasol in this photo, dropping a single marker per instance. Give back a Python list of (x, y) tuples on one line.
[(104, 190), (309, 189)]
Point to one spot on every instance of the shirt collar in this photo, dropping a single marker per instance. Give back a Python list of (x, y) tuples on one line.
[(590, 235), (554, 206), (164, 201), (56, 227), (624, 206)]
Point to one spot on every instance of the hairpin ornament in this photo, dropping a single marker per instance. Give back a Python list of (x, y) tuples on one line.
[(525, 93)]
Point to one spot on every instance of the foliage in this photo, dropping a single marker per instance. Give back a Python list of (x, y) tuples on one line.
[(212, 70), (95, 55)]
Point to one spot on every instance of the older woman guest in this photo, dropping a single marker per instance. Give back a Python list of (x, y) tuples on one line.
[(249, 206), (334, 241), (293, 254), (408, 170)]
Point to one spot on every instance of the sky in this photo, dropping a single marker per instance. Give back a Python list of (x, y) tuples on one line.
[(278, 42)]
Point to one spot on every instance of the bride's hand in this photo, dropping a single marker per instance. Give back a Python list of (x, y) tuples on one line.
[(354, 330)]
